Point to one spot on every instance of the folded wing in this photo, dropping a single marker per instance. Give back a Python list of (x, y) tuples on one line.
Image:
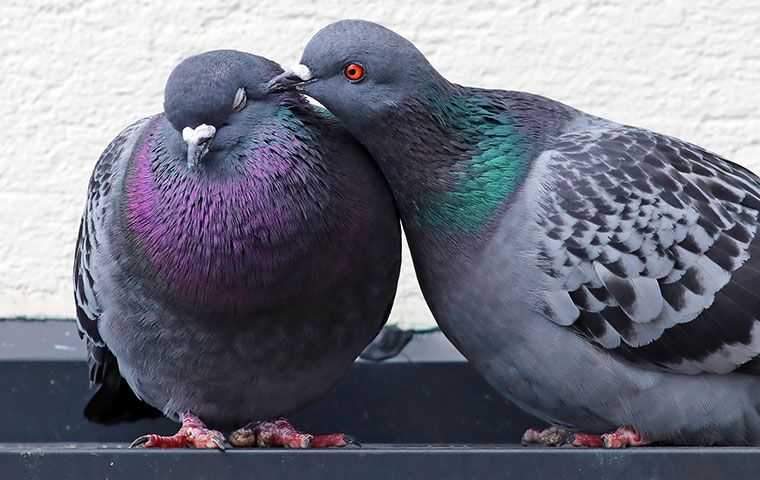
[(651, 248)]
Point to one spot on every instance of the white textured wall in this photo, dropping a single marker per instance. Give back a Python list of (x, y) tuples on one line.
[(74, 72)]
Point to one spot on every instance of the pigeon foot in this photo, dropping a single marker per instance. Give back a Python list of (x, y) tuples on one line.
[(334, 440), (280, 433), (192, 434), (624, 437), (559, 437)]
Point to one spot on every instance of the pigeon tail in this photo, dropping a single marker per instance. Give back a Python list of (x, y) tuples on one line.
[(115, 402)]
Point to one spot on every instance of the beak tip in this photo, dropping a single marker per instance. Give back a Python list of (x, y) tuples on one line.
[(290, 79), (274, 85), (283, 82)]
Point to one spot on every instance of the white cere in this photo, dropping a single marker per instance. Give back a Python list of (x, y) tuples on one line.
[(199, 134), (302, 71)]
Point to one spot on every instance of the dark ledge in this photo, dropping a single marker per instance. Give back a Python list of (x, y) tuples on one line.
[(379, 462), (423, 414)]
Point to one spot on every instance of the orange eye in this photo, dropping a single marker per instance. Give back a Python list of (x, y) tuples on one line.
[(354, 72)]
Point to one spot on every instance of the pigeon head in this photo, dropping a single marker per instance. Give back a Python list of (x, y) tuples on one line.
[(213, 98), (359, 70)]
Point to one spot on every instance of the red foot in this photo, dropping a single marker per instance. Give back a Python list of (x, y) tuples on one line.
[(280, 433), (332, 440), (588, 440), (623, 437), (192, 434)]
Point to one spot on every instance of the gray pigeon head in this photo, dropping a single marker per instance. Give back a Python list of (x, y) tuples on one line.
[(358, 70), (213, 98)]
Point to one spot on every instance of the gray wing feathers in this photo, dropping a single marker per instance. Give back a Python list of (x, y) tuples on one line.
[(93, 223), (642, 232)]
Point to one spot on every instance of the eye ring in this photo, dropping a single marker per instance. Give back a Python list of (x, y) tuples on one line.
[(354, 72), (241, 99)]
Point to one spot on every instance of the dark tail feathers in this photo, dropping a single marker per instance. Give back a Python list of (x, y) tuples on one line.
[(115, 402)]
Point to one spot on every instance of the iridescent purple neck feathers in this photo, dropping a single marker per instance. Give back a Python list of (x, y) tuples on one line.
[(212, 234)]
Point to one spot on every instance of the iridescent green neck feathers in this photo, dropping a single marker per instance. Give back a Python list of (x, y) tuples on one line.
[(484, 159)]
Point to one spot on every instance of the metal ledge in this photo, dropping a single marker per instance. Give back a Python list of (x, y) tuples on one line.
[(379, 462), (423, 414)]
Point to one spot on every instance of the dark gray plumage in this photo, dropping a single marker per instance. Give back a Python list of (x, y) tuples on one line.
[(596, 274), (236, 274)]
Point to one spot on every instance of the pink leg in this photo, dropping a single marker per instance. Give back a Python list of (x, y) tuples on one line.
[(192, 434), (280, 433)]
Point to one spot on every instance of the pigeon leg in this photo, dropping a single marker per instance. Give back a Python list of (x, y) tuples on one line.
[(280, 433), (624, 437), (192, 434)]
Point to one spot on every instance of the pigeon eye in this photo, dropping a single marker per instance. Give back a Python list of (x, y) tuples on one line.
[(354, 72), (240, 100)]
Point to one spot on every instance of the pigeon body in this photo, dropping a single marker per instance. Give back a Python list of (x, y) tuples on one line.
[(596, 274), (236, 253)]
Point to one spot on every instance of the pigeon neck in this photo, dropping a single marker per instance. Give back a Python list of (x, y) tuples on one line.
[(454, 161), (205, 232)]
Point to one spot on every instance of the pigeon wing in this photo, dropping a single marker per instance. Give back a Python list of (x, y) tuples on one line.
[(94, 223), (651, 247)]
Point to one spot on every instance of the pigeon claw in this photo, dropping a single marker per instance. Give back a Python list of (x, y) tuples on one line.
[(280, 433), (140, 441), (192, 434), (334, 440)]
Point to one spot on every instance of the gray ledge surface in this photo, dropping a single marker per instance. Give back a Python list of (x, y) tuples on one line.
[(424, 414)]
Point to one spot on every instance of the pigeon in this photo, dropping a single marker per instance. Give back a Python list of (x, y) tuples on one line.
[(236, 254), (602, 277)]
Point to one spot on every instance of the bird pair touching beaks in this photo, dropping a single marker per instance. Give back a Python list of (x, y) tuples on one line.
[(238, 251)]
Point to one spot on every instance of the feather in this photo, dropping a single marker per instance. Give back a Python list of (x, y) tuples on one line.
[(669, 230), (638, 297)]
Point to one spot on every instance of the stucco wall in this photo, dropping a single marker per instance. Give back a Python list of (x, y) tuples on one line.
[(74, 72)]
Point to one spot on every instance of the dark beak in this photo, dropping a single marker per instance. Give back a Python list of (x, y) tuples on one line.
[(290, 80), (196, 152)]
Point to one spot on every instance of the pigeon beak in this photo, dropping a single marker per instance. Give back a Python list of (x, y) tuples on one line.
[(198, 141), (291, 79)]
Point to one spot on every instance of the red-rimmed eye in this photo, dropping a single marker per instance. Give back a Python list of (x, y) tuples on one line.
[(354, 72)]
